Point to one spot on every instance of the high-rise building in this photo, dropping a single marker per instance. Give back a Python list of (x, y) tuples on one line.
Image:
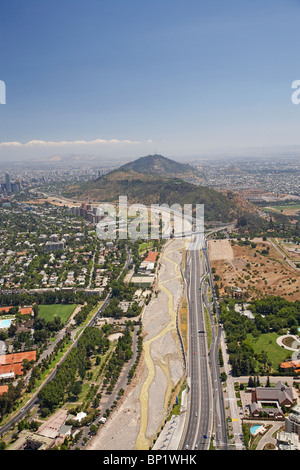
[(15, 187), (8, 183), (292, 421)]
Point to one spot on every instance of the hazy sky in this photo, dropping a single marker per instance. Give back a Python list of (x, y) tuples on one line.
[(123, 78)]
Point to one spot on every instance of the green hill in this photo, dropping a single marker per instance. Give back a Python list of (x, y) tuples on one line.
[(163, 167), (144, 181)]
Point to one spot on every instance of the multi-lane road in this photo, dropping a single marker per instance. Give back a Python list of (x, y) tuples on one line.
[(220, 428), (206, 414)]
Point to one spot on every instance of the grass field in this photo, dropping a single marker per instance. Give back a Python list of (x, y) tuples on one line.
[(48, 312), (267, 343), (145, 246), (283, 208)]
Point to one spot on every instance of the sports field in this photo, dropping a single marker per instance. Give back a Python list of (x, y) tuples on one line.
[(48, 312)]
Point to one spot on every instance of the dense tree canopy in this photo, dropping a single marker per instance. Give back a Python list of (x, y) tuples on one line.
[(271, 314)]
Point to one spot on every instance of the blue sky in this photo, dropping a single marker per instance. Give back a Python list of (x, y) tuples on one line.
[(125, 78)]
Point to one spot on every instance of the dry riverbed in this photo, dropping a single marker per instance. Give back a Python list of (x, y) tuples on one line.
[(137, 420)]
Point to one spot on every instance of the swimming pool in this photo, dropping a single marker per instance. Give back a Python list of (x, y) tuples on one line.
[(255, 428), (5, 323)]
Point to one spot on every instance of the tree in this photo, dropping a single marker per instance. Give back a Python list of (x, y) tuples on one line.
[(35, 309), (75, 389), (2, 445), (251, 383), (223, 376), (93, 429)]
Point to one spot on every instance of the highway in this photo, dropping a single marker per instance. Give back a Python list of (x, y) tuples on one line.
[(206, 413), (197, 433), (220, 428)]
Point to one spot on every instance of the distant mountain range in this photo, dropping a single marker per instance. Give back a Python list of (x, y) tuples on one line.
[(155, 179)]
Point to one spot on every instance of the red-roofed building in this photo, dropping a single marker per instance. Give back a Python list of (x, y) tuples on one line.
[(290, 365)]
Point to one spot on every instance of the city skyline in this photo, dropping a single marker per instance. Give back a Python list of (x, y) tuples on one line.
[(121, 81)]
